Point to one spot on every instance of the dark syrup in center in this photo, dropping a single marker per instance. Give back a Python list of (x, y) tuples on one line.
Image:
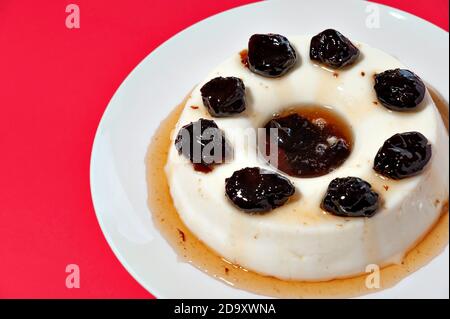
[(311, 141)]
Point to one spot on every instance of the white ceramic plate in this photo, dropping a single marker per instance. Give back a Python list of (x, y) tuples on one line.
[(164, 77)]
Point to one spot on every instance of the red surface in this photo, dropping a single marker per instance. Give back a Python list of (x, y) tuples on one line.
[(54, 86)]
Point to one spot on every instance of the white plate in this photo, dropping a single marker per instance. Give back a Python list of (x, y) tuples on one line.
[(164, 77)]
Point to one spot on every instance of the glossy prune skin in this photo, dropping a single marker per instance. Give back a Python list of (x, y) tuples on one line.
[(350, 197), (333, 49), (255, 190), (403, 155), (224, 96), (399, 89), (304, 149), (270, 55), (193, 138)]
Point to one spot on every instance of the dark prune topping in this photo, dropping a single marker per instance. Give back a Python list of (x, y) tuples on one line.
[(403, 155), (333, 49), (306, 149), (399, 90), (350, 197), (255, 190), (270, 55), (203, 143), (224, 96)]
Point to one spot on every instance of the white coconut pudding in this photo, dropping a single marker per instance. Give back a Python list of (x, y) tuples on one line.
[(361, 168)]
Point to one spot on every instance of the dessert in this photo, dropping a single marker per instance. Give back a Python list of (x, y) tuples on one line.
[(343, 191)]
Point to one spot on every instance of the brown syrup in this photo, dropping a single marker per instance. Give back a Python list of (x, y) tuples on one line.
[(192, 250), (334, 122), (313, 126), (202, 168), (244, 57), (441, 105)]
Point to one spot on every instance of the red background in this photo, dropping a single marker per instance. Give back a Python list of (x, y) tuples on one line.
[(54, 86)]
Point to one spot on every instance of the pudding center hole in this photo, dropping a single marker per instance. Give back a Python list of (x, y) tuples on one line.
[(307, 141)]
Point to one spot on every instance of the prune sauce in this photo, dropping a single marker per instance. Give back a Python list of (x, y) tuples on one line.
[(312, 141)]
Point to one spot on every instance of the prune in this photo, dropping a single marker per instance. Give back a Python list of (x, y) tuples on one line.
[(333, 49), (403, 155), (306, 149), (399, 90), (224, 96), (350, 197), (255, 190), (270, 55), (203, 143)]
